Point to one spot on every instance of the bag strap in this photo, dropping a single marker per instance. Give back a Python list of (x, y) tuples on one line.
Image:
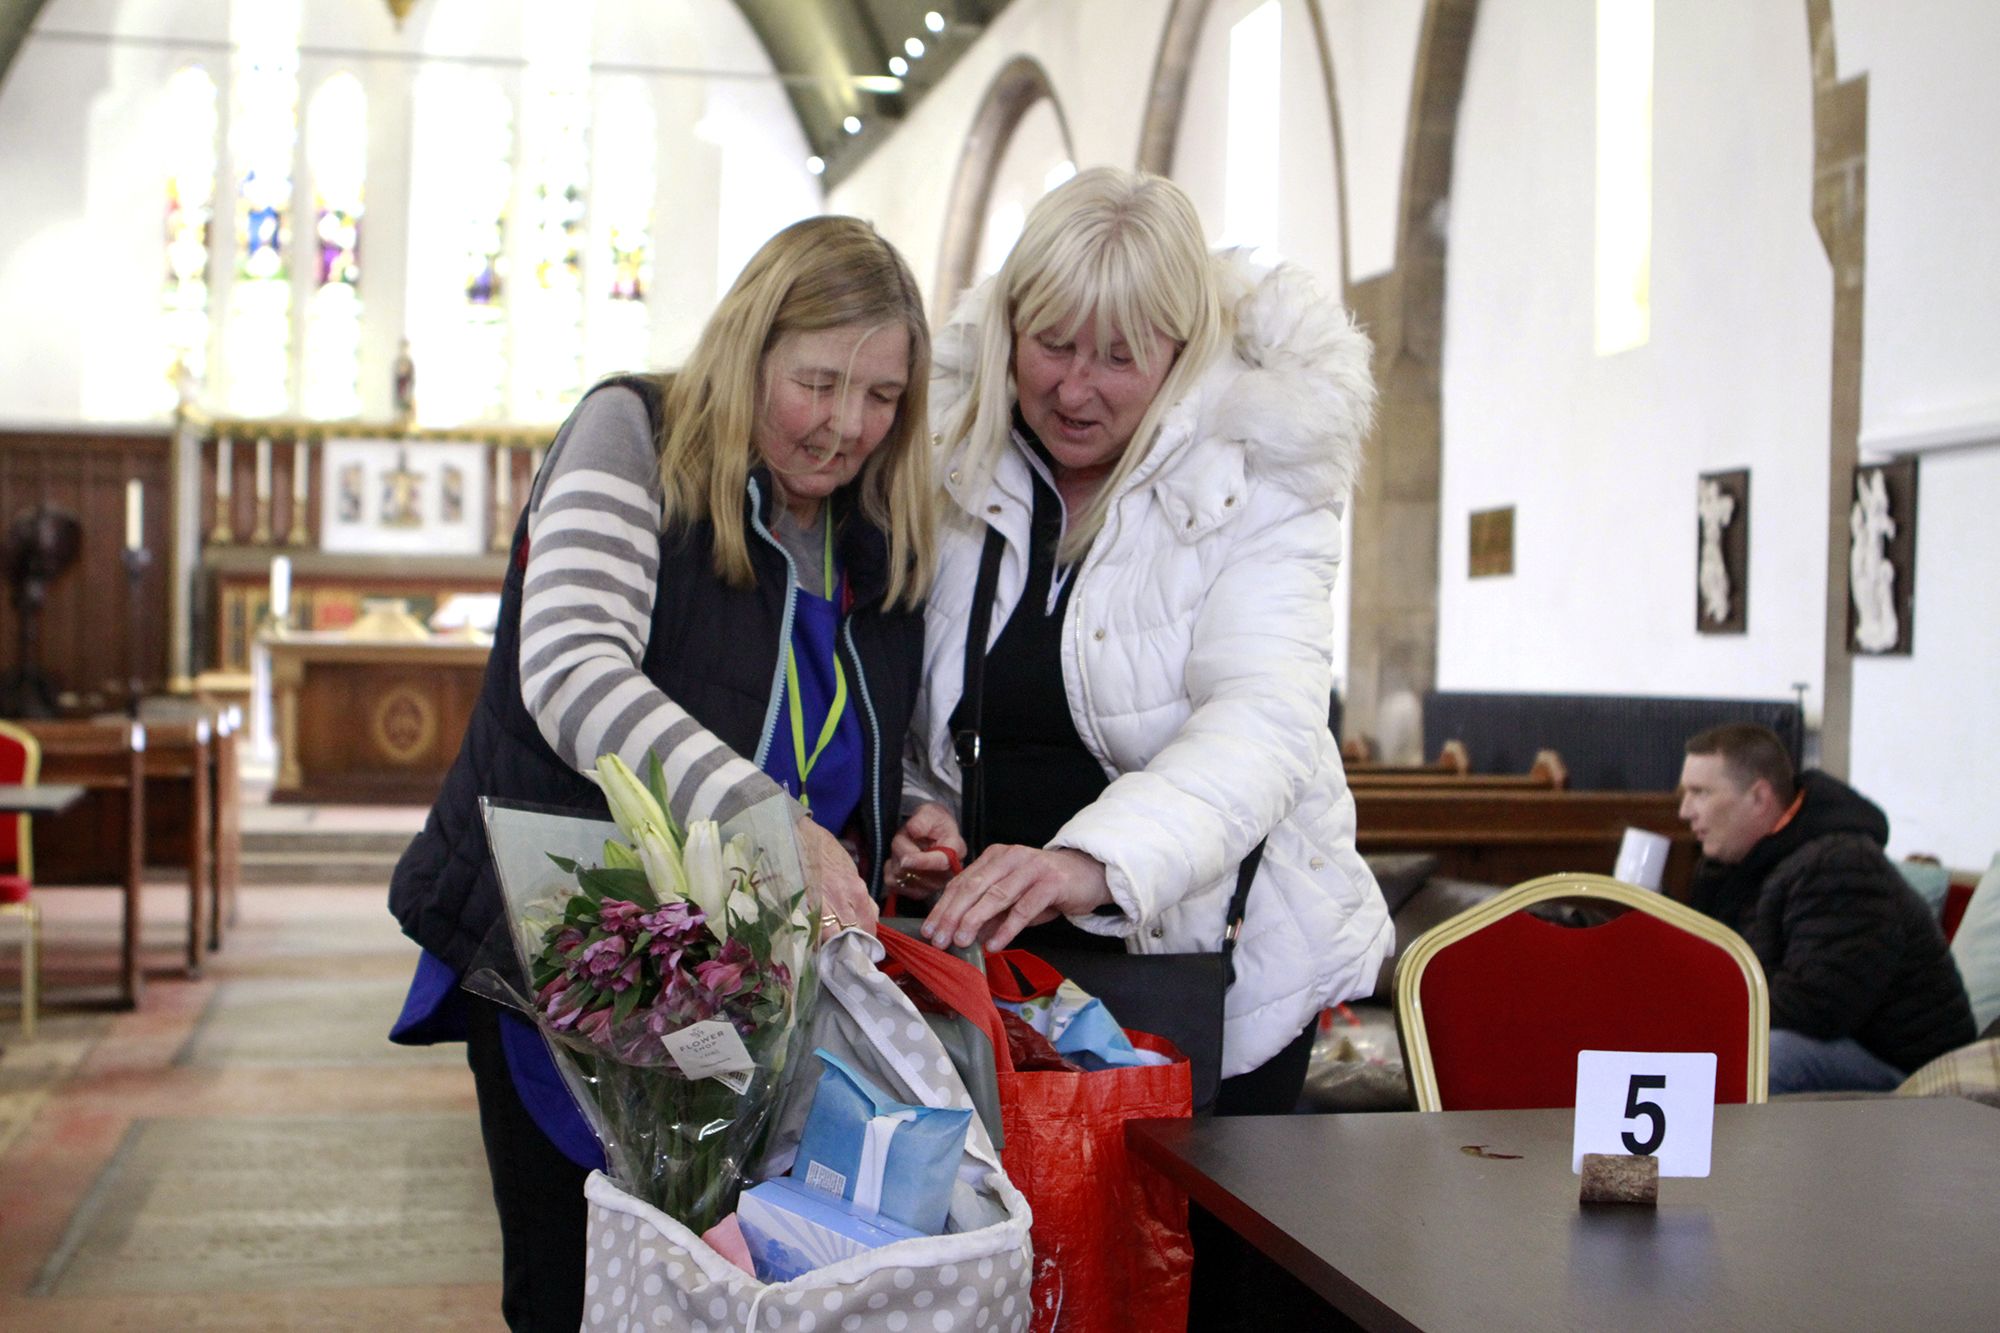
[(965, 741), (955, 982), (1239, 902), (1016, 975)]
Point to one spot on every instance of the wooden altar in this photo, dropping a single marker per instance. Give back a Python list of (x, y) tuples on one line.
[(372, 721)]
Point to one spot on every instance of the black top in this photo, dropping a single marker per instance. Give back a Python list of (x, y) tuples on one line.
[(1038, 773), (1848, 948)]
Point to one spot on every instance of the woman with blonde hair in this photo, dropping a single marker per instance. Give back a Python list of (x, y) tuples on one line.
[(721, 568), (1154, 446), (1147, 453)]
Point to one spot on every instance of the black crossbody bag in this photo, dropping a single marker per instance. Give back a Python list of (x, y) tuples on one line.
[(1178, 996)]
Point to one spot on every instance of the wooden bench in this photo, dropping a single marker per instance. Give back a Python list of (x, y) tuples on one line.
[(1508, 836), (102, 839), (194, 809), (180, 819), (1449, 773)]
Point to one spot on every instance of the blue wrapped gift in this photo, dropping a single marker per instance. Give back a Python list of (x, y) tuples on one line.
[(790, 1229), (880, 1155)]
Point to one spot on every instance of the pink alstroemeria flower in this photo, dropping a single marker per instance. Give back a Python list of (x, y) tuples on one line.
[(620, 917), (725, 973), (604, 959), (596, 1025)]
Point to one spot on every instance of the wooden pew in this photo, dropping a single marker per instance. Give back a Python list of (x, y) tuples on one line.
[(102, 839), (1548, 773), (228, 803), (1507, 836), (180, 819)]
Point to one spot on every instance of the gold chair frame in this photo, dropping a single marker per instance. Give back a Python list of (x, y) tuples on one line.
[(28, 909), (1595, 888)]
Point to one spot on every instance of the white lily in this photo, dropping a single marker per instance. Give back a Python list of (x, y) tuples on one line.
[(707, 879), (661, 863), (617, 856), (632, 806)]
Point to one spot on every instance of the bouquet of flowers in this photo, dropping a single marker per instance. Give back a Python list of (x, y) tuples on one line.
[(670, 978)]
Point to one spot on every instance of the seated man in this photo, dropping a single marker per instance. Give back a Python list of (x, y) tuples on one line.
[(1863, 988)]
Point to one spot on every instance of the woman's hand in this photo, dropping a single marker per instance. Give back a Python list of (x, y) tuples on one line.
[(918, 866), (1010, 888), (842, 895)]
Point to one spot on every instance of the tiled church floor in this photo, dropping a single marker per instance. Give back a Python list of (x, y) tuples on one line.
[(246, 1150)]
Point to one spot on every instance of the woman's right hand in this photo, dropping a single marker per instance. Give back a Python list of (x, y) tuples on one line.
[(843, 896), (919, 867)]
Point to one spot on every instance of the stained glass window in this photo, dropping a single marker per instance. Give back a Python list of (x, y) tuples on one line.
[(337, 162), (187, 142), (461, 185), (555, 162), (263, 132), (622, 253)]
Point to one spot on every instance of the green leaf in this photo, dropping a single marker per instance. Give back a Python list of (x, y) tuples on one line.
[(628, 1000), (617, 856), (611, 882), (581, 908), (563, 863)]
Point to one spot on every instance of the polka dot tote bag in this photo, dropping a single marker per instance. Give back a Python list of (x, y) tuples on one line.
[(647, 1271)]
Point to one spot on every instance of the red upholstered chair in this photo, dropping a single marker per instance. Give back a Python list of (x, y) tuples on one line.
[(21, 763), (1495, 1003)]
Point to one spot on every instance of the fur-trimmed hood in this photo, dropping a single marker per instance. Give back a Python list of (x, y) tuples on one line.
[(1293, 388)]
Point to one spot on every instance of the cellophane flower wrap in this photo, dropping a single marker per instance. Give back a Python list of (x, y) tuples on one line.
[(670, 970)]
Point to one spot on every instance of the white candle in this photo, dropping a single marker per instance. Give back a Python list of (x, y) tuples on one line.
[(135, 508), (281, 587), (263, 469), (225, 467)]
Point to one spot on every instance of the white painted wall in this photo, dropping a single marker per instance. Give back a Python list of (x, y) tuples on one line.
[(1926, 741), (1600, 456), (81, 271)]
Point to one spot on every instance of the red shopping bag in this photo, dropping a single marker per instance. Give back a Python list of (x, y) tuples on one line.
[(1111, 1239)]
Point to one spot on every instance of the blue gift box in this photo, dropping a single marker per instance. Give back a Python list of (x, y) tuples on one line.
[(791, 1229)]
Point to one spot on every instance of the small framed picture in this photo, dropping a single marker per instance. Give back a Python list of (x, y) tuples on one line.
[(1882, 559), (1722, 553)]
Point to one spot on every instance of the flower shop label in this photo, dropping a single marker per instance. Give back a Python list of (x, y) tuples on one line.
[(711, 1049)]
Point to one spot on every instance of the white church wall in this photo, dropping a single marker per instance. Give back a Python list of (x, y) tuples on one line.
[(1600, 455), (1926, 738), (1374, 48)]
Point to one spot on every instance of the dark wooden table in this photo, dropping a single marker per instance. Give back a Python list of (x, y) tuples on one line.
[(1871, 1214)]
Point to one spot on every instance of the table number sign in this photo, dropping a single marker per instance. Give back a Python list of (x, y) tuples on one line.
[(1646, 1102)]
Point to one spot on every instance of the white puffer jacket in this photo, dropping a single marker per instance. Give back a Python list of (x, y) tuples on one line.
[(1197, 656)]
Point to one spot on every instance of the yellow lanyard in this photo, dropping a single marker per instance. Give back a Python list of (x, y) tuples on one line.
[(806, 761)]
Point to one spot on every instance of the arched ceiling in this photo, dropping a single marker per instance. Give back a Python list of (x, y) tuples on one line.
[(834, 58), (832, 55)]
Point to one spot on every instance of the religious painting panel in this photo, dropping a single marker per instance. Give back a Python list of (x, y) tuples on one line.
[(1882, 559), (403, 497), (1722, 553)]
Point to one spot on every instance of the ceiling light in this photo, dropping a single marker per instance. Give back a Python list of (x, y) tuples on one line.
[(915, 47), (852, 124), (898, 66), (934, 21), (815, 164)]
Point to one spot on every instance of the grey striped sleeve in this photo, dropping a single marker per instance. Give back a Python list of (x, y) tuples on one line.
[(587, 612)]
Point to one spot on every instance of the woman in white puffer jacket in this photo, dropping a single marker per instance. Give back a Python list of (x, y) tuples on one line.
[(1166, 439)]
